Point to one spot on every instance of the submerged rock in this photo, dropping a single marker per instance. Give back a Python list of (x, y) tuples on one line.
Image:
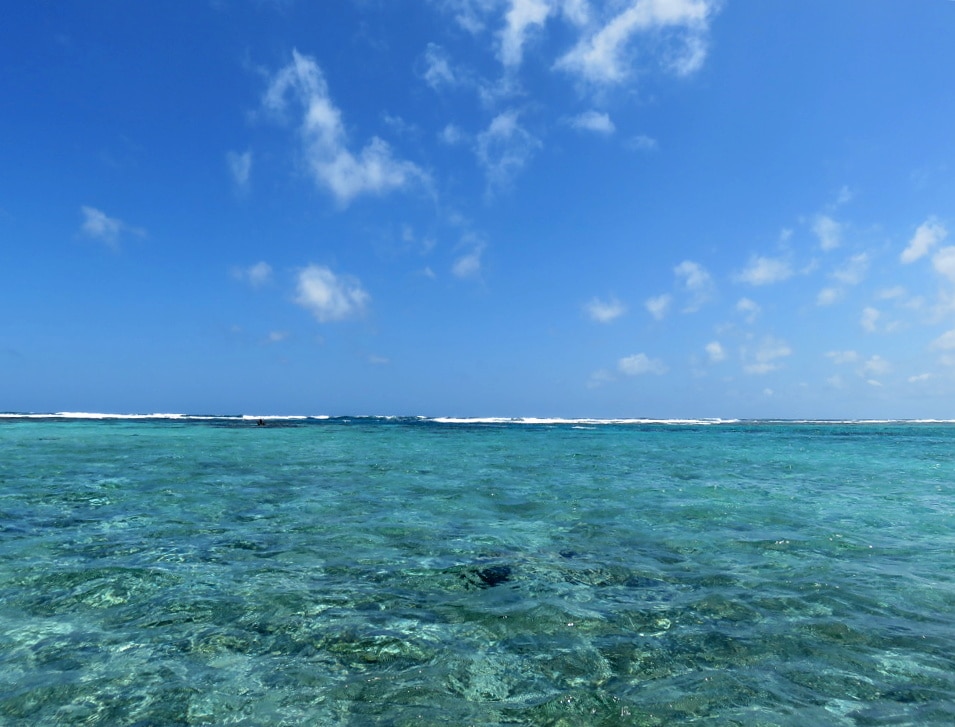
[(487, 576)]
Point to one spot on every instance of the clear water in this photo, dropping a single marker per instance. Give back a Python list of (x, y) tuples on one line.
[(411, 572)]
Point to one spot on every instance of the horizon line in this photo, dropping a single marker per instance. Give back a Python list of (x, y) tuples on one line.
[(526, 420)]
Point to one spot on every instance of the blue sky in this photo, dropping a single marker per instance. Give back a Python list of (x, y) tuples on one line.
[(552, 208)]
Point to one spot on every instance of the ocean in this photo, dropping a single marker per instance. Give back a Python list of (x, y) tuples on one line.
[(173, 570)]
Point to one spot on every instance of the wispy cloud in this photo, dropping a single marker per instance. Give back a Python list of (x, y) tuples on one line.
[(943, 262), (929, 234), (945, 342), (577, 12), (520, 19), (438, 72), (697, 282), (330, 297), (765, 356), (659, 305), (875, 366), (605, 311), (256, 275), (469, 14), (870, 319), (599, 378), (373, 170), (240, 166), (765, 271), (642, 142), (828, 231), (504, 148), (843, 357), (852, 272), (715, 351), (97, 225), (749, 309), (640, 363), (452, 135), (607, 53), (469, 263), (828, 296)]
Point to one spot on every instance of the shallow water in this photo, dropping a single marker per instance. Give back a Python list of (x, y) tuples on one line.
[(414, 572)]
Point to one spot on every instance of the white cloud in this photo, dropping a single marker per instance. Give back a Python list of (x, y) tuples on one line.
[(715, 351), (641, 142), (944, 262), (765, 271), (766, 355), (255, 275), (928, 235), (605, 56), (851, 273), (893, 293), (595, 121), (604, 311), (468, 265), (870, 319), (240, 166), (828, 231), (504, 148), (843, 357), (469, 14), (697, 282), (919, 378), (828, 296), (473, 15), (108, 230), (452, 135), (373, 170), (750, 309), (330, 297), (576, 11), (99, 226), (599, 378), (875, 366), (854, 270), (945, 342), (397, 124), (640, 363), (277, 336), (659, 306), (695, 275), (438, 71), (521, 16)]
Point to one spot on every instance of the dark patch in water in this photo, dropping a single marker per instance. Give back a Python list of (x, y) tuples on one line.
[(495, 575), (488, 576)]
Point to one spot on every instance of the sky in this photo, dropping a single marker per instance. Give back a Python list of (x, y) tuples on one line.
[(541, 208)]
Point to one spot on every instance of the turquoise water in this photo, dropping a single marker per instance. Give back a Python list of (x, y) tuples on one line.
[(416, 572)]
